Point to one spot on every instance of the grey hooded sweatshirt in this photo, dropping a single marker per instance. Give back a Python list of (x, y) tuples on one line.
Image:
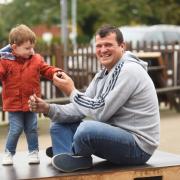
[(124, 97)]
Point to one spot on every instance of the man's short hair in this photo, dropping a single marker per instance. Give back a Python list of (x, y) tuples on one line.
[(107, 29), (20, 34)]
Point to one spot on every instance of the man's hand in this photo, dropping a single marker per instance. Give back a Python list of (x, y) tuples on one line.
[(63, 82), (38, 105)]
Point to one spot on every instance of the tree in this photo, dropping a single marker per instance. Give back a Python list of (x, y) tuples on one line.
[(90, 14), (29, 12)]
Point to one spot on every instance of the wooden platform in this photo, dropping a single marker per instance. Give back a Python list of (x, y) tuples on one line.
[(162, 166)]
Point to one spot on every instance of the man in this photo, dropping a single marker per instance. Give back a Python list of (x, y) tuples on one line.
[(120, 103)]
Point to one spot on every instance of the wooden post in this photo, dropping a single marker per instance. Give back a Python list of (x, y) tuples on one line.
[(58, 52), (59, 56)]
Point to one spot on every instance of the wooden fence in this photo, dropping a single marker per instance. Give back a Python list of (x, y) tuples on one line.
[(82, 65)]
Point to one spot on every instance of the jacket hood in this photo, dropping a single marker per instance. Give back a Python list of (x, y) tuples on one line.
[(6, 53), (129, 56)]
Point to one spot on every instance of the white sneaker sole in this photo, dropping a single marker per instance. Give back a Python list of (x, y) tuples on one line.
[(33, 162), (7, 163)]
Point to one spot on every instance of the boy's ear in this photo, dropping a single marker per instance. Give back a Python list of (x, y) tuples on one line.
[(13, 46)]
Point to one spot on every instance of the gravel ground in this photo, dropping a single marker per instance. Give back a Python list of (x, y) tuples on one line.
[(170, 133)]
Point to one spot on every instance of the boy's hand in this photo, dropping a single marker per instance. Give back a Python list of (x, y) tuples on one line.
[(38, 105)]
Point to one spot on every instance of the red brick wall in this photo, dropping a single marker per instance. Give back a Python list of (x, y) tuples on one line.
[(40, 29)]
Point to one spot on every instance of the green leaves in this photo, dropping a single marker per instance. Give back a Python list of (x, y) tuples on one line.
[(90, 14)]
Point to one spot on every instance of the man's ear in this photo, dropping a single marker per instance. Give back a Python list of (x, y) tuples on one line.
[(123, 45)]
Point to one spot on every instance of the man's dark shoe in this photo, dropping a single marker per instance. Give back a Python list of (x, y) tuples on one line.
[(49, 152), (68, 163)]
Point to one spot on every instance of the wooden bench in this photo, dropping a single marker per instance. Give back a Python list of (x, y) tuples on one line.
[(161, 166), (156, 67)]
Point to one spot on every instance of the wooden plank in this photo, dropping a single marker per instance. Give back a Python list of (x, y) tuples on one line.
[(167, 89), (162, 164), (169, 173), (155, 68), (148, 54), (60, 100)]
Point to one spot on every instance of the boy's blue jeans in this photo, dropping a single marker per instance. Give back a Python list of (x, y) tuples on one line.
[(92, 137), (19, 121)]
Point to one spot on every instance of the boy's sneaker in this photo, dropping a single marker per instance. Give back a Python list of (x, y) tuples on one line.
[(49, 152), (33, 157), (7, 159), (68, 163)]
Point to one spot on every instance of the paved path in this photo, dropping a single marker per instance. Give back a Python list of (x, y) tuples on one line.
[(170, 134)]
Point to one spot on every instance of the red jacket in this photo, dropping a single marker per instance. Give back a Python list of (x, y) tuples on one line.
[(20, 79)]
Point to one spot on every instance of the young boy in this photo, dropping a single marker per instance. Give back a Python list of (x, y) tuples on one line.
[(20, 71)]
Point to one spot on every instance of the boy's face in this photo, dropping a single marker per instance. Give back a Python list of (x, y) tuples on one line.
[(24, 50)]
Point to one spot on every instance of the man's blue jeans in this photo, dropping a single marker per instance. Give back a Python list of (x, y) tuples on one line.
[(92, 137), (19, 121)]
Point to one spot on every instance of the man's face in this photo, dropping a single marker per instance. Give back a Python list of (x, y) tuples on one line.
[(24, 50), (108, 51)]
